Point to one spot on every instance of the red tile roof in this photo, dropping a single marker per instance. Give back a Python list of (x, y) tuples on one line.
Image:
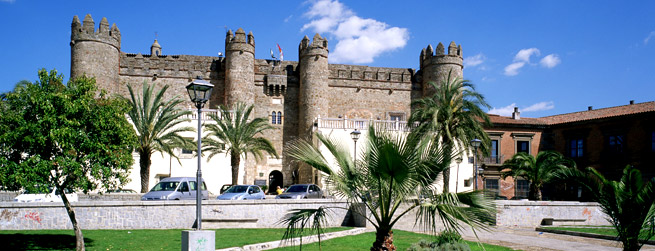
[(577, 116)]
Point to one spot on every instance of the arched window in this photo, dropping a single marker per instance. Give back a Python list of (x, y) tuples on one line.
[(279, 118), (273, 119)]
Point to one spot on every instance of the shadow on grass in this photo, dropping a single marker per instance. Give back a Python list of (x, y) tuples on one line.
[(40, 242)]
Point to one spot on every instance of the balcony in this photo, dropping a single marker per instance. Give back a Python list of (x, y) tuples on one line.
[(493, 160), (346, 123)]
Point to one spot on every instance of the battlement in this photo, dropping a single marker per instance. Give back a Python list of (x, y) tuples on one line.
[(430, 56), (85, 31), (168, 66), (318, 47), (238, 41), (365, 77)]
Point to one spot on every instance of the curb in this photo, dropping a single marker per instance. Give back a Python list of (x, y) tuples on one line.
[(296, 241), (589, 235)]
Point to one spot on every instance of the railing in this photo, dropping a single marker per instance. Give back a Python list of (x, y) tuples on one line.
[(205, 114), (346, 123), (499, 159)]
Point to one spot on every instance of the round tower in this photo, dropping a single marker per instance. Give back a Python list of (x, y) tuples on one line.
[(239, 68), (155, 49), (313, 91), (436, 66), (96, 53)]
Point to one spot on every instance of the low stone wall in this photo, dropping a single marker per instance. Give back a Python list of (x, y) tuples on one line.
[(525, 213), (259, 214), (160, 214)]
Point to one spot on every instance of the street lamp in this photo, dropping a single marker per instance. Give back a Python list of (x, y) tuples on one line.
[(199, 92), (459, 161), (355, 136), (475, 143)]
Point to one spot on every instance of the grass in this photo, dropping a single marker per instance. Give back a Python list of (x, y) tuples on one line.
[(401, 239), (140, 239), (604, 230)]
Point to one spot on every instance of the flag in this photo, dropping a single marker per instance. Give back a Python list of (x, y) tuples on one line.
[(281, 53), (272, 54)]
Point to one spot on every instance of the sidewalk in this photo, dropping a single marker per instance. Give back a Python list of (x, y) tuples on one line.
[(529, 239)]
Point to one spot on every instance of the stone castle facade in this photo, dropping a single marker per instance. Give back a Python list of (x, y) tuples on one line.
[(292, 94)]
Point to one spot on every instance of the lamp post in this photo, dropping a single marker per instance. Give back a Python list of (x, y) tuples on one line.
[(355, 136), (199, 91), (459, 161), (475, 143)]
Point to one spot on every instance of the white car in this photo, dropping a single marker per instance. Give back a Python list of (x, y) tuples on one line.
[(52, 196)]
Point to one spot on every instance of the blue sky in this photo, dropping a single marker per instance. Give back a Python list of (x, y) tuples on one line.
[(546, 57)]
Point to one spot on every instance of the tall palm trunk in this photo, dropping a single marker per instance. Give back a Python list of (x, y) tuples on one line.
[(447, 159), (535, 192), (383, 240), (235, 160), (144, 163), (79, 238)]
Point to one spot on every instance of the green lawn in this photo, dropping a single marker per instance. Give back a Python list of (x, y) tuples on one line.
[(604, 230), (401, 239), (168, 239)]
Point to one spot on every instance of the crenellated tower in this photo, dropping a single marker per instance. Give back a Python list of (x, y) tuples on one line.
[(96, 52), (313, 90), (435, 65), (240, 68)]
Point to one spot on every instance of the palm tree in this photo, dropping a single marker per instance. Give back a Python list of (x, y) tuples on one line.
[(545, 168), (156, 120), (629, 203), (235, 134), (385, 180), (453, 114)]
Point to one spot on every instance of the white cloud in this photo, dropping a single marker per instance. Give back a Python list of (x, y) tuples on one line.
[(541, 106), (286, 20), (474, 60), (513, 69), (550, 61), (503, 111), (8, 1), (507, 110), (525, 54), (650, 35), (359, 40)]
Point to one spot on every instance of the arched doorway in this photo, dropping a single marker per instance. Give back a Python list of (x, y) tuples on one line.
[(274, 180)]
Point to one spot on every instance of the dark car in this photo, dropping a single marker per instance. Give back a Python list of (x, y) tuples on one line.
[(302, 191)]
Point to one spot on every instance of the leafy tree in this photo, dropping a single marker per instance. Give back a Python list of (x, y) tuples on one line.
[(386, 180), (235, 134), (157, 121), (63, 136), (543, 169), (629, 203), (453, 114)]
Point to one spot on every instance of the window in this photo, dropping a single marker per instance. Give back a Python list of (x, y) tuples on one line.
[(522, 188), (615, 143), (491, 185), (187, 151), (276, 117), (576, 148), (279, 118), (494, 152), (522, 146), (273, 117)]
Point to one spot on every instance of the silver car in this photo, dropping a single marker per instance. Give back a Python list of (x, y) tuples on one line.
[(302, 191), (243, 192), (176, 188)]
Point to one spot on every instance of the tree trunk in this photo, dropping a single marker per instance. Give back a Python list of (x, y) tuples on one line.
[(235, 160), (383, 240), (144, 163), (535, 192), (79, 238), (447, 159)]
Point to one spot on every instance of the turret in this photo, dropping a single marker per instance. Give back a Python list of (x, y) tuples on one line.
[(155, 49), (313, 90), (96, 52), (435, 66), (239, 68)]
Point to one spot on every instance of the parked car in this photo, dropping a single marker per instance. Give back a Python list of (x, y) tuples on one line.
[(51, 195), (243, 192), (302, 191), (176, 188)]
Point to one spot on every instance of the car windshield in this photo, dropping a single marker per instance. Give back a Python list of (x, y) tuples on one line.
[(297, 189), (237, 189), (165, 186)]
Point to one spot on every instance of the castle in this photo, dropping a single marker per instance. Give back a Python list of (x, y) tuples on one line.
[(292, 94)]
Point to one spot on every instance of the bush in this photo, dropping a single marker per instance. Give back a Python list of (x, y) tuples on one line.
[(446, 240)]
